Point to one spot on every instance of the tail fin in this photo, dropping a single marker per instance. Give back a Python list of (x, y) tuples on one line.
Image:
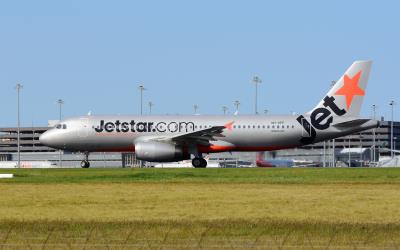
[(347, 94)]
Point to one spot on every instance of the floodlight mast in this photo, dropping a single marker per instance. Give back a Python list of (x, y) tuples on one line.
[(151, 104), (60, 102), (391, 103), (18, 87), (225, 109), (333, 140), (237, 104), (374, 134), (195, 108), (141, 89), (256, 80)]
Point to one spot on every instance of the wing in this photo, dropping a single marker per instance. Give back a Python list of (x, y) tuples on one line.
[(202, 137)]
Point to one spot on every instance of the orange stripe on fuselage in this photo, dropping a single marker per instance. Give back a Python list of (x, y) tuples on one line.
[(217, 149)]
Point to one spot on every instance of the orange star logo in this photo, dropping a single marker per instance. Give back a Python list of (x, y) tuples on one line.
[(350, 88)]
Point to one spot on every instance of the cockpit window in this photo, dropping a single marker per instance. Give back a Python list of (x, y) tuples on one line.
[(61, 126)]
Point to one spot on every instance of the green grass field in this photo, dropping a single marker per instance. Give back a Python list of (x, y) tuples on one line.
[(200, 208)]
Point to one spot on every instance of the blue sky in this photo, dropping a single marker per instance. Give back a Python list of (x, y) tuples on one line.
[(94, 54)]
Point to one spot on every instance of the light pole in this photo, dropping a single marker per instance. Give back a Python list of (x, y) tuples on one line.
[(151, 104), (60, 102), (224, 109), (141, 89), (349, 151), (392, 103), (374, 134), (333, 141), (256, 81), (361, 151), (324, 162), (18, 87), (329, 154), (195, 108), (237, 104), (333, 153)]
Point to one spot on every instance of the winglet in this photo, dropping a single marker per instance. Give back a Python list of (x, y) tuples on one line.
[(229, 125)]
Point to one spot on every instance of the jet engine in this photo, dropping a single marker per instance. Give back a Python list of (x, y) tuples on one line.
[(159, 152)]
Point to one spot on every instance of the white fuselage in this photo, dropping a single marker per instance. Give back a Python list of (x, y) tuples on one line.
[(244, 133)]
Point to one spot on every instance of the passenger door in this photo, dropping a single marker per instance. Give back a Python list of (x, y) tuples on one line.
[(83, 130)]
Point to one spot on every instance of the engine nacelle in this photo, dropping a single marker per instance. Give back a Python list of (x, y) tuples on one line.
[(159, 152)]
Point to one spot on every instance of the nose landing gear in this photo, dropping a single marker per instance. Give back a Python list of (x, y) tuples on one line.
[(85, 163)]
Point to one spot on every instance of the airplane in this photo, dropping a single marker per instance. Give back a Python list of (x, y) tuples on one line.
[(261, 162), (168, 138), (270, 163)]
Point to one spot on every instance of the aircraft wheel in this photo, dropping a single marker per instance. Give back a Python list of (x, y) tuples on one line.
[(199, 163), (85, 164), (203, 163)]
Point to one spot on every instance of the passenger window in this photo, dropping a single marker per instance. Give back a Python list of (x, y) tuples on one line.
[(64, 126), (254, 126), (58, 126), (268, 126), (287, 126), (263, 126), (292, 126), (238, 126), (273, 126)]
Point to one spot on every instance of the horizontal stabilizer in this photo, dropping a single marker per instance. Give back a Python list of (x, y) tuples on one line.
[(351, 124)]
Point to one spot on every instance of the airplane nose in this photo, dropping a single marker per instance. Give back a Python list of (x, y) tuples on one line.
[(52, 138), (45, 138)]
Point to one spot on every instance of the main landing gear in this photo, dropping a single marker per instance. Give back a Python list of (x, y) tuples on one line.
[(199, 162), (85, 163)]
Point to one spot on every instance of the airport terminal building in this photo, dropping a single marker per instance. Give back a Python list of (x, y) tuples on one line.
[(31, 150)]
